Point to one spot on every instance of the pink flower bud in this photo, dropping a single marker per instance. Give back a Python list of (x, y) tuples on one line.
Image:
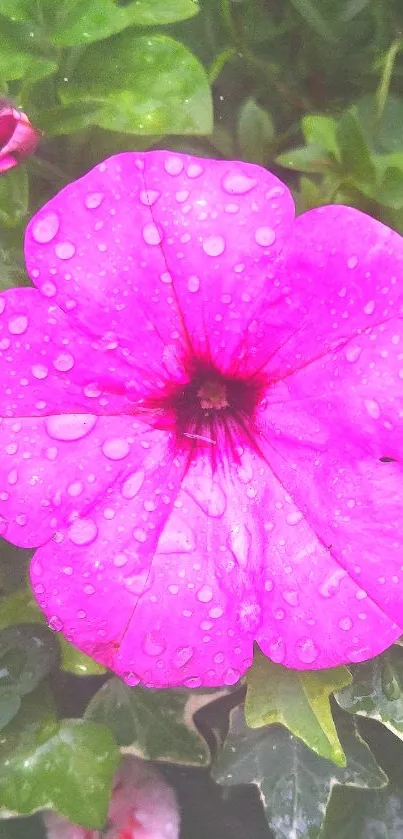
[(18, 138)]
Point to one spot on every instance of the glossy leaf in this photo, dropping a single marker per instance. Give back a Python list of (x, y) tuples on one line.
[(320, 131), (144, 85), (297, 699), (377, 690), (295, 784), (20, 607), (19, 57), (65, 765), (155, 724), (27, 654)]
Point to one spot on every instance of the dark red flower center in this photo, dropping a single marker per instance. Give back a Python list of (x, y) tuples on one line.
[(212, 409)]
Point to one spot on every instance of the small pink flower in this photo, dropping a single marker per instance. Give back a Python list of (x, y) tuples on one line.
[(18, 138), (203, 422), (143, 806)]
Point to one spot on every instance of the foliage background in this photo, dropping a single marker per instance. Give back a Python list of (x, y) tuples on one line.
[(311, 89)]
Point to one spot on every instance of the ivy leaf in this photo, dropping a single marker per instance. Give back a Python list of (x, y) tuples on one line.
[(64, 765), (143, 85), (365, 815), (20, 607), (299, 700), (377, 690), (27, 654), (155, 724), (295, 784)]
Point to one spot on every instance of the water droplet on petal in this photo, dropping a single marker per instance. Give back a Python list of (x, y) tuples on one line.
[(93, 200), (331, 584), (369, 307), (18, 324), (70, 426), (75, 489), (205, 594), (240, 543), (55, 624), (151, 234), (183, 656), (372, 408), (65, 250), (177, 537), (238, 184), (194, 682), (345, 624), (132, 484), (131, 679), (152, 646), (116, 448), (148, 197), (39, 371), (193, 283), (194, 170), (173, 165), (352, 353), (307, 652), (44, 229), (83, 531), (294, 518), (208, 495), (64, 362), (265, 236), (231, 676), (214, 245), (276, 650)]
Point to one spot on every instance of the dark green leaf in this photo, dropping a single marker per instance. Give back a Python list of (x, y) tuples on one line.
[(144, 85), (297, 699), (67, 765), (365, 815), (30, 827), (156, 724), (354, 152), (255, 131), (310, 11), (19, 55), (294, 783), (27, 654), (13, 196), (377, 690), (307, 159), (390, 191)]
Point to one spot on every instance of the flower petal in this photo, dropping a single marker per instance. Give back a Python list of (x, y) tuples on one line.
[(222, 224)]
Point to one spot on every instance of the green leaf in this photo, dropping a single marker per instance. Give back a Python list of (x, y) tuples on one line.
[(390, 191), (309, 10), (13, 196), (365, 815), (155, 724), (320, 131), (355, 156), (256, 132), (309, 195), (295, 784), (377, 690), (19, 57), (297, 699), (27, 654), (66, 766), (144, 85), (20, 607), (307, 159), (66, 119), (75, 22)]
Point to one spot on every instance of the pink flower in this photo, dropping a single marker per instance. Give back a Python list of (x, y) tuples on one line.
[(203, 422), (143, 806), (18, 138)]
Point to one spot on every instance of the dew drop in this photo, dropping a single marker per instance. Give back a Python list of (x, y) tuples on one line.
[(193, 283), (48, 289), (39, 371), (55, 624), (177, 537), (173, 165), (236, 183), (148, 197), (307, 652), (18, 324), (369, 307), (294, 518), (93, 200), (83, 531), (345, 624), (372, 408), (152, 646), (194, 170), (75, 489), (65, 250), (331, 583), (265, 236), (64, 362), (133, 484), (194, 682), (205, 594), (276, 650), (70, 426), (208, 495), (353, 353), (214, 245), (116, 448), (45, 228), (151, 234), (231, 676), (131, 679), (182, 656)]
